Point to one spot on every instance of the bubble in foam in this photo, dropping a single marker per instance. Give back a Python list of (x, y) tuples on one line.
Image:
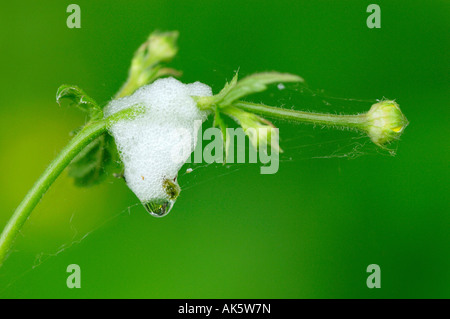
[(155, 145)]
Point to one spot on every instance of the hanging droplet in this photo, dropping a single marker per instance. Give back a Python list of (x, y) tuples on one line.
[(159, 207)]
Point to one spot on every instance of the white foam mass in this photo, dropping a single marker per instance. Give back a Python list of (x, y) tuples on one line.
[(155, 145)]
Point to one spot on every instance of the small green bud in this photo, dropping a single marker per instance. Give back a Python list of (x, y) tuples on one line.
[(162, 46), (159, 47), (259, 130), (385, 122), (146, 65)]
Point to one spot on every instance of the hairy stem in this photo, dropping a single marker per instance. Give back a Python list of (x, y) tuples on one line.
[(75, 146), (354, 121)]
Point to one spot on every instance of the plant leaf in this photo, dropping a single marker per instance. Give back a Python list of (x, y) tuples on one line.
[(100, 158), (229, 86), (87, 167), (207, 102), (79, 99), (147, 63), (258, 129), (256, 83), (235, 89), (94, 163)]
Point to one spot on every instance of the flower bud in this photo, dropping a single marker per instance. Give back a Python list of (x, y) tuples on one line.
[(162, 46), (259, 130), (146, 65), (385, 122)]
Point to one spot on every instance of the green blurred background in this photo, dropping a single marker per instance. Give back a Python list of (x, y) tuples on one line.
[(308, 231)]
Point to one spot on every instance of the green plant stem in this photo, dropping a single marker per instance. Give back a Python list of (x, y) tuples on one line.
[(127, 88), (357, 121), (75, 146)]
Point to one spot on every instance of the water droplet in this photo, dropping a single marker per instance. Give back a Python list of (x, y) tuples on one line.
[(159, 207)]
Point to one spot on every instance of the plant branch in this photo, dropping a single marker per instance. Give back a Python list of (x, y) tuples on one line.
[(354, 121), (75, 146)]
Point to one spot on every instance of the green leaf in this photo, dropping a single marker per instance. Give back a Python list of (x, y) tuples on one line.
[(235, 89), (147, 63), (99, 159), (94, 163), (258, 129), (87, 167), (206, 102), (79, 99), (256, 83), (229, 86)]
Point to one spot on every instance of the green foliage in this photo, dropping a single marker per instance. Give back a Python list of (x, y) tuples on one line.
[(222, 103), (87, 167), (95, 161), (258, 129), (78, 98), (235, 90), (100, 158), (255, 83), (148, 61)]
